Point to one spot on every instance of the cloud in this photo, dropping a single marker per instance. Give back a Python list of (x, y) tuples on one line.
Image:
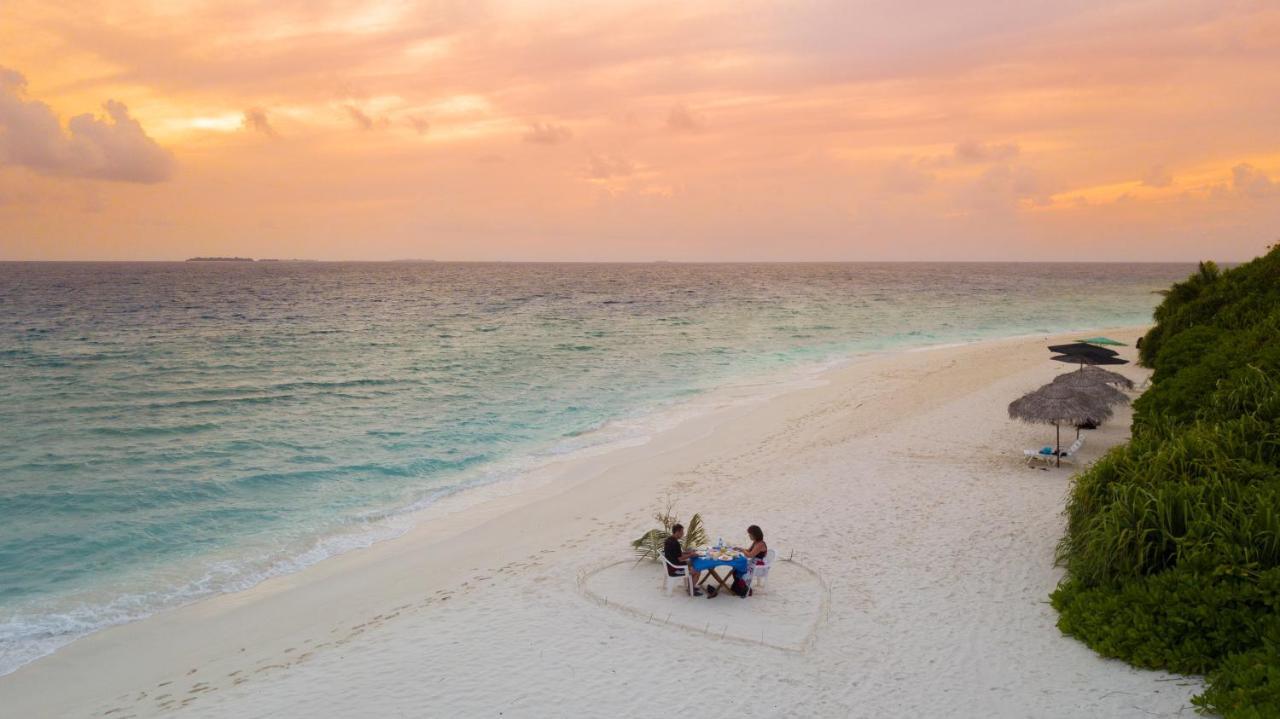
[(545, 133), (1157, 176), (255, 119), (1250, 181), (419, 124), (359, 117), (1004, 186), (681, 120), (604, 167), (976, 152), (109, 147)]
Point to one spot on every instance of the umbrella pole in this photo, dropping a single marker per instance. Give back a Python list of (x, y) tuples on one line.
[(1057, 428)]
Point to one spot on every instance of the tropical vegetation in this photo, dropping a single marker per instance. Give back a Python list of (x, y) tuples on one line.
[(1172, 551), (649, 546)]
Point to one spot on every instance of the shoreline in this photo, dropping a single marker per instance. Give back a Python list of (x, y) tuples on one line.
[(395, 522), (461, 541)]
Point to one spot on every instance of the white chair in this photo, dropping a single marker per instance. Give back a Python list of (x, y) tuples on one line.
[(757, 574), (1068, 455), (673, 575), (1035, 455)]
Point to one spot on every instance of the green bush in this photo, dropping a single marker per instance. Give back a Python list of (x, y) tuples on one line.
[(1178, 620), (1172, 551), (1246, 685)]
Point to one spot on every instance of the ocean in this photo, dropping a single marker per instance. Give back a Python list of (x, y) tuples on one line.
[(169, 431)]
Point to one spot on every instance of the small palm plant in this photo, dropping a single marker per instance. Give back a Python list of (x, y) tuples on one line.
[(650, 545)]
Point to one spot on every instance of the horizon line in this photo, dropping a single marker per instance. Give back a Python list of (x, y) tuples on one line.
[(272, 260)]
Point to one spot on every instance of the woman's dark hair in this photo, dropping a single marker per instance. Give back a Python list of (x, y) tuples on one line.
[(754, 532), (676, 528)]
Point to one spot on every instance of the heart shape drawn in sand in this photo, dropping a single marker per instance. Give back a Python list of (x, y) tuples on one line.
[(785, 614)]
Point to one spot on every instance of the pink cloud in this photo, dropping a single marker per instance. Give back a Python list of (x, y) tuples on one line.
[(546, 133), (113, 146), (255, 119)]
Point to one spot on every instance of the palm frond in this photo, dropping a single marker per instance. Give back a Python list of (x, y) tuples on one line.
[(650, 544)]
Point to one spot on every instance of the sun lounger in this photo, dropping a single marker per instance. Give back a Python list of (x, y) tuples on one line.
[(1068, 454)]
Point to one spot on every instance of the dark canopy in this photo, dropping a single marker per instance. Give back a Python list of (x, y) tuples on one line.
[(1082, 360), (1082, 348)]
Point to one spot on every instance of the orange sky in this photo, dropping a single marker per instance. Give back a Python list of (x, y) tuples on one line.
[(640, 130)]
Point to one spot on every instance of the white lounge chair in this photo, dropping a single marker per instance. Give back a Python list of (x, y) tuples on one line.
[(674, 578), (759, 573), (1068, 454)]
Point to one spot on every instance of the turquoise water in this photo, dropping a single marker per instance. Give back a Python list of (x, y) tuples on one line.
[(173, 430)]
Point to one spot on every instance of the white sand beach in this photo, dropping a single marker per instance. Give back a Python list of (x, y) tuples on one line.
[(920, 552)]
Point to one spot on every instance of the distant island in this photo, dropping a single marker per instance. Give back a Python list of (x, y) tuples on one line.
[(245, 259)]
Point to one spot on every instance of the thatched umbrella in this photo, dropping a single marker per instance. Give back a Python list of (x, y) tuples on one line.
[(1056, 403), (1098, 375), (1095, 386), (1091, 382)]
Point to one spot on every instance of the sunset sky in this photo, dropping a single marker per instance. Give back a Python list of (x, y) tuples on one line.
[(1018, 130)]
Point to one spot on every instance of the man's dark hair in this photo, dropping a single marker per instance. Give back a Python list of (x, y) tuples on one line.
[(755, 533), (676, 528)]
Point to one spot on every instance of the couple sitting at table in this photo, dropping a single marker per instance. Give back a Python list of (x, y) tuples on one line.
[(683, 560)]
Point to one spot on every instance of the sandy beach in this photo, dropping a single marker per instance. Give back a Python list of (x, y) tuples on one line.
[(919, 552)]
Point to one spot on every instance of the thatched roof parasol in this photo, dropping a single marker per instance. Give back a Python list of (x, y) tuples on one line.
[(1098, 376), (1056, 403), (1091, 383)]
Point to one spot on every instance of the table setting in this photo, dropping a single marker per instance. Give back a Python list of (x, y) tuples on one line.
[(718, 563)]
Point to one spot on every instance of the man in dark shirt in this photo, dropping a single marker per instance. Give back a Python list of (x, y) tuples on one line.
[(676, 555)]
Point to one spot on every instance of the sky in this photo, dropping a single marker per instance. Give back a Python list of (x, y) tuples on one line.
[(636, 131)]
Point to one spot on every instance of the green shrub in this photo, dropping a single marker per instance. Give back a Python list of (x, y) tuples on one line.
[(1172, 548), (1245, 685)]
